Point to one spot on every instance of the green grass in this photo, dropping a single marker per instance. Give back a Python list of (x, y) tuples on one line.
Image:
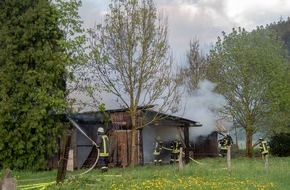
[(211, 174)]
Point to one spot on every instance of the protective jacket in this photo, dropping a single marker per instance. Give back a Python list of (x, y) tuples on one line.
[(103, 145), (225, 142), (175, 146), (264, 148), (158, 148)]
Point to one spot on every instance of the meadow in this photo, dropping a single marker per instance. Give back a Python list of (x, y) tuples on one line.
[(211, 173)]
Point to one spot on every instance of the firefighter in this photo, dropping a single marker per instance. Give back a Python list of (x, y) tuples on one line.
[(175, 151), (157, 151), (264, 148), (225, 142), (103, 145)]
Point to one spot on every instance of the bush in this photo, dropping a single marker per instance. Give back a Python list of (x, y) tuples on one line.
[(280, 144)]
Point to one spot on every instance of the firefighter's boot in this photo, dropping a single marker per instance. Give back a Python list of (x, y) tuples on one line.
[(104, 169)]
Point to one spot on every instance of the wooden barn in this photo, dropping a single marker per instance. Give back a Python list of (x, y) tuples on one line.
[(169, 128)]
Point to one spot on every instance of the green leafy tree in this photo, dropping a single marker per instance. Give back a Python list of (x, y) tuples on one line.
[(33, 59), (136, 63), (250, 69), (74, 43)]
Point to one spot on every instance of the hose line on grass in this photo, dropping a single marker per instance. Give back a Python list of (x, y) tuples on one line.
[(34, 186), (182, 153)]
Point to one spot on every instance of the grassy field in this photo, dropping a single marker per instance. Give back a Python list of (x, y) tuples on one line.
[(211, 174)]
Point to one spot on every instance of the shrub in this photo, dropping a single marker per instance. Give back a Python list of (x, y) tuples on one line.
[(280, 144)]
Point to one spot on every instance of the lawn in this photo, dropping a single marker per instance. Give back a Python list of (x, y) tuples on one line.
[(210, 174)]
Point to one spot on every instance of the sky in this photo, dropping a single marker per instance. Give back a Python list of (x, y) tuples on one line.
[(203, 20)]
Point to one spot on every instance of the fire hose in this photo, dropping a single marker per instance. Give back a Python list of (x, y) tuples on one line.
[(182, 153), (93, 166), (44, 185), (93, 142)]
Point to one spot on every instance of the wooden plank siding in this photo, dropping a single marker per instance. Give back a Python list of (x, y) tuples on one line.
[(120, 137)]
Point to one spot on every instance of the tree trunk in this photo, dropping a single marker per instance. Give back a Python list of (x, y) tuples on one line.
[(236, 133), (133, 148), (249, 139), (133, 137)]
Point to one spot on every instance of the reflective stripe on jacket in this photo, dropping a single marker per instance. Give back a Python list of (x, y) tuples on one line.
[(264, 147), (104, 146), (157, 149), (175, 146)]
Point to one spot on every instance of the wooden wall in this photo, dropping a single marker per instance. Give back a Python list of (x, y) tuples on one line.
[(120, 147), (205, 146)]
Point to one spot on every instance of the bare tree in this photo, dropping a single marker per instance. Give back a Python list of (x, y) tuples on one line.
[(195, 69), (132, 60)]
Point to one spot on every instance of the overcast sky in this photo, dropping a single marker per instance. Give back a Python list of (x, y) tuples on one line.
[(201, 19)]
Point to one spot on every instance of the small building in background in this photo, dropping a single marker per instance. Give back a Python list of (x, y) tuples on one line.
[(168, 127)]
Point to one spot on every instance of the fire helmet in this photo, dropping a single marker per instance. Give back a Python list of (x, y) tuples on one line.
[(101, 129)]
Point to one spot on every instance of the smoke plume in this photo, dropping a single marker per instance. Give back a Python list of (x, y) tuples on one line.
[(200, 107)]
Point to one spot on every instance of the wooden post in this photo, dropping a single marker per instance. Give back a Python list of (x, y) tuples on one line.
[(63, 159), (229, 158), (180, 164), (8, 183), (70, 161), (186, 141), (124, 157), (266, 161)]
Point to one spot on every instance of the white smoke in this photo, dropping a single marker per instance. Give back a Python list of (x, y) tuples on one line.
[(200, 107)]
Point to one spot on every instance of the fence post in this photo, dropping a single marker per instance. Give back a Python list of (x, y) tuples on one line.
[(180, 164), (229, 158), (266, 161), (63, 159)]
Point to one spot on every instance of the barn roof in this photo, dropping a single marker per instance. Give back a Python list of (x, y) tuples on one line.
[(97, 116), (127, 109), (190, 123)]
